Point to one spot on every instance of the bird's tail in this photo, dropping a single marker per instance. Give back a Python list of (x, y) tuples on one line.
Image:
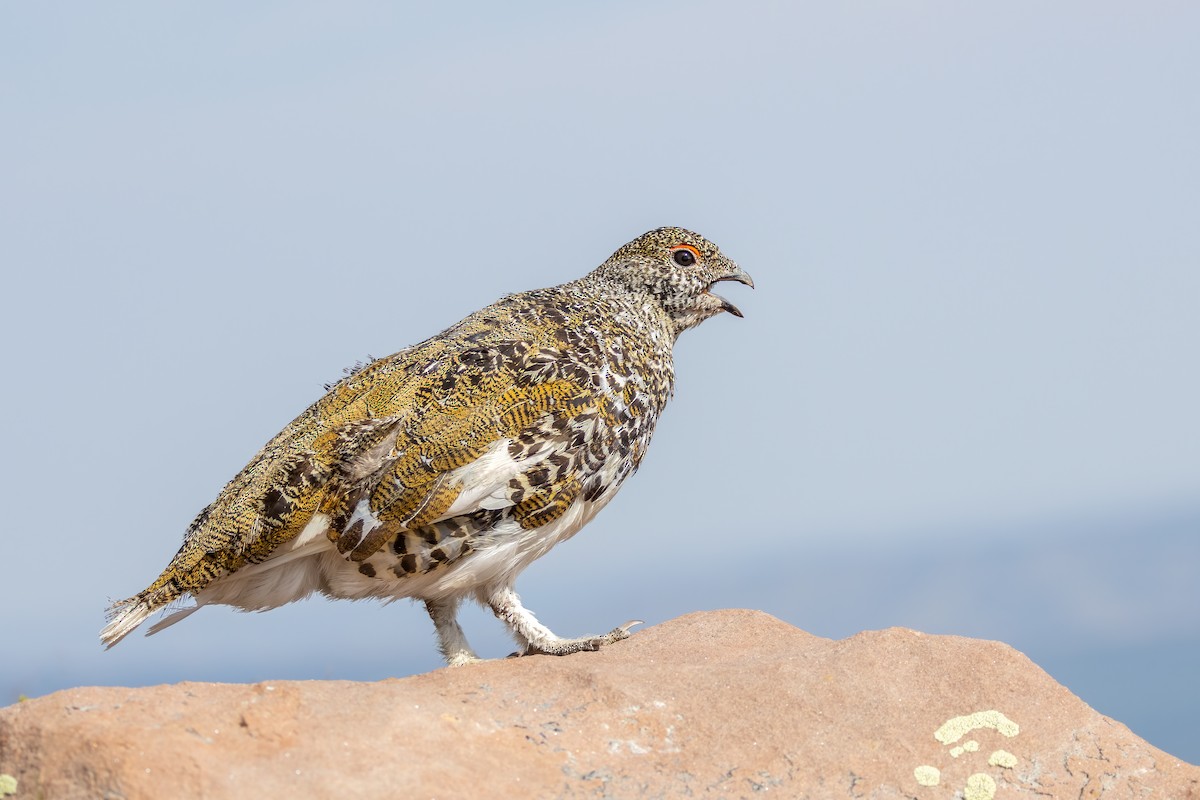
[(122, 618)]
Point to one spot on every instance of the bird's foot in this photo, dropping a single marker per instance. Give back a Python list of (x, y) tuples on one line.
[(562, 647), (462, 659)]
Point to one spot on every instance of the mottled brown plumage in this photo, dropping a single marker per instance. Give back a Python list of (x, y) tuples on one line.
[(443, 470)]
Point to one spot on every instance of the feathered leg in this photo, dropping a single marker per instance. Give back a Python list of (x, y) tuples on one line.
[(534, 637), (452, 642)]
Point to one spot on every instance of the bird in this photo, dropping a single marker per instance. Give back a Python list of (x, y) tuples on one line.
[(442, 471)]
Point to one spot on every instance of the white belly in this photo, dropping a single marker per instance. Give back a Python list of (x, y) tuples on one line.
[(310, 563)]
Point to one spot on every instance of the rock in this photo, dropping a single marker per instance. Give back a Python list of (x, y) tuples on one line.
[(729, 703)]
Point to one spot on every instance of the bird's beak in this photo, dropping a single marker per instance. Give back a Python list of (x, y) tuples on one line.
[(737, 274)]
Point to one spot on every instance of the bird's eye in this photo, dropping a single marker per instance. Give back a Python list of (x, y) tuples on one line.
[(684, 256)]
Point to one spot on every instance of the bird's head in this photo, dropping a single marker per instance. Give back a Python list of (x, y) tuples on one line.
[(677, 269)]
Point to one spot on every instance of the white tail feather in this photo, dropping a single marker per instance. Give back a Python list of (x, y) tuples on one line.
[(123, 618), (171, 619)]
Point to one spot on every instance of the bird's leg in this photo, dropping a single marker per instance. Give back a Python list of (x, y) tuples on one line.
[(535, 637), (452, 642)]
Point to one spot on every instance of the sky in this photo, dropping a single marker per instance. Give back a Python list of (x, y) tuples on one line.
[(963, 397)]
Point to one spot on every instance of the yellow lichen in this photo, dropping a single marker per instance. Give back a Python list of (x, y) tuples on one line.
[(956, 728), (8, 785), (927, 775), (979, 787), (969, 746), (1003, 758)]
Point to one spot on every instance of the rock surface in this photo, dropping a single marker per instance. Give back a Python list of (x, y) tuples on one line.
[(727, 703)]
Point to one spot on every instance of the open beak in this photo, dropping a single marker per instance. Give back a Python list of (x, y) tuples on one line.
[(739, 275)]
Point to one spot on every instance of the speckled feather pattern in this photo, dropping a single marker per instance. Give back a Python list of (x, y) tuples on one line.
[(494, 429)]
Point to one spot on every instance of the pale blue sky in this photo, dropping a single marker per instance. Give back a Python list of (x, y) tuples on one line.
[(973, 228)]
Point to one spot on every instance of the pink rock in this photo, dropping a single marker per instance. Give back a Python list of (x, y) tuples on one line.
[(729, 703)]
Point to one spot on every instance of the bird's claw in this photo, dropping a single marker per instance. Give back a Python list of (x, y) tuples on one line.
[(622, 631), (615, 635)]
